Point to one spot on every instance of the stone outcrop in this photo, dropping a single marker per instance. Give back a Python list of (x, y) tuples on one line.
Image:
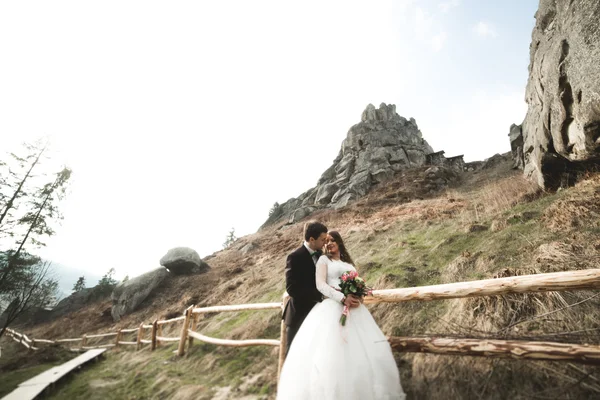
[(128, 295), (183, 260), (561, 131), (382, 144), (72, 303), (439, 159), (76, 301), (435, 178), (516, 146)]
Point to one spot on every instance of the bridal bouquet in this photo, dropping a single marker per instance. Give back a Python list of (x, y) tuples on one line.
[(351, 283)]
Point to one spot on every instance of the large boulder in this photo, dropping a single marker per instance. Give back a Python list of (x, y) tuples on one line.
[(128, 295), (183, 260), (561, 131)]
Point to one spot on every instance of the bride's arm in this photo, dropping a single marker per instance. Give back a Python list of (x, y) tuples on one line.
[(321, 281)]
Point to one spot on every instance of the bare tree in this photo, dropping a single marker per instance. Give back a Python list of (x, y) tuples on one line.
[(33, 288)]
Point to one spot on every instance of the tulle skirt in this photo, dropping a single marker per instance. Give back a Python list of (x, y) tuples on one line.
[(331, 361)]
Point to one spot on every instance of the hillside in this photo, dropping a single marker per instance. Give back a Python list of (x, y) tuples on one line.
[(488, 222)]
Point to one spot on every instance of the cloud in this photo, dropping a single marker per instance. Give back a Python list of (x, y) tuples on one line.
[(423, 22), (448, 5), (485, 30), (424, 30), (438, 41)]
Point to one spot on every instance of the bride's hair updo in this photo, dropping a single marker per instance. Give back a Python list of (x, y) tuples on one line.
[(344, 255)]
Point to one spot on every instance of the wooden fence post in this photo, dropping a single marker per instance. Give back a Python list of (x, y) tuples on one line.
[(153, 335), (118, 338), (83, 341), (139, 336), (159, 333), (193, 327), (184, 331), (282, 336)]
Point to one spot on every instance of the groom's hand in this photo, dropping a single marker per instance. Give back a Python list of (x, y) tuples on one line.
[(359, 299), (352, 301)]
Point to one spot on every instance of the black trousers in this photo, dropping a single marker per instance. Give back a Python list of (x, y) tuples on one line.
[(291, 331)]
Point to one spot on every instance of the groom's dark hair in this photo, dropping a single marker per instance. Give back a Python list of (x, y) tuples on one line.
[(314, 230)]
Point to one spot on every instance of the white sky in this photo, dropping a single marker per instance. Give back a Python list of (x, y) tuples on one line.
[(184, 119)]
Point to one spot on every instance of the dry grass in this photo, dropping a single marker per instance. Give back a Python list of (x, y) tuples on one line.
[(493, 198), (579, 209), (399, 238)]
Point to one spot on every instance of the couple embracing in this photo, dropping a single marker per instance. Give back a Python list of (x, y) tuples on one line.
[(326, 360)]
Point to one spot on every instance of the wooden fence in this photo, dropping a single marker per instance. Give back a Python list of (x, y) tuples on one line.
[(558, 281)]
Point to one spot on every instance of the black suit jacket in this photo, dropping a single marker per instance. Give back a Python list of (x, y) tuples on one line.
[(300, 284)]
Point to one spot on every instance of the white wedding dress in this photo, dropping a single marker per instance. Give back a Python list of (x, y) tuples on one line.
[(328, 361)]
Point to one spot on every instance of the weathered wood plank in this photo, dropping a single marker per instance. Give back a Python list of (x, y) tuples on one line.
[(238, 307), (153, 335), (170, 321), (101, 335), (25, 392), (184, 331), (234, 343), (31, 388), (517, 349), (282, 336), (67, 340), (168, 339), (46, 341), (556, 281)]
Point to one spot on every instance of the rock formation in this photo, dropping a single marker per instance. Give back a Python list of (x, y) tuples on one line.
[(561, 132), (128, 295), (382, 144), (183, 260), (374, 149), (516, 146)]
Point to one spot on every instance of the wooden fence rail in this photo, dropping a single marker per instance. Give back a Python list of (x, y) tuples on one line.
[(517, 349), (558, 281), (551, 282)]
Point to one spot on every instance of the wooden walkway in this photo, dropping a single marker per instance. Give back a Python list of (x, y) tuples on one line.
[(31, 388)]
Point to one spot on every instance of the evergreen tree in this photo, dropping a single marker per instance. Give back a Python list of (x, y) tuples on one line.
[(29, 202), (107, 283), (231, 238), (79, 285), (275, 209)]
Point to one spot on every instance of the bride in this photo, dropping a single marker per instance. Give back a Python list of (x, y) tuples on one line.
[(330, 361)]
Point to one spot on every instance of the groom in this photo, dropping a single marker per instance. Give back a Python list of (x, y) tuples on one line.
[(300, 279)]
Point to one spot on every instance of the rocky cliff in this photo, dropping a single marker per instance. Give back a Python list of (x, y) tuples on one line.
[(561, 132), (381, 144)]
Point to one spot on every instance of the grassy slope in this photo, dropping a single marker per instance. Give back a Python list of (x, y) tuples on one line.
[(428, 240), (17, 364)]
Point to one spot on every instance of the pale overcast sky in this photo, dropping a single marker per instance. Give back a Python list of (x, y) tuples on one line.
[(183, 119)]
